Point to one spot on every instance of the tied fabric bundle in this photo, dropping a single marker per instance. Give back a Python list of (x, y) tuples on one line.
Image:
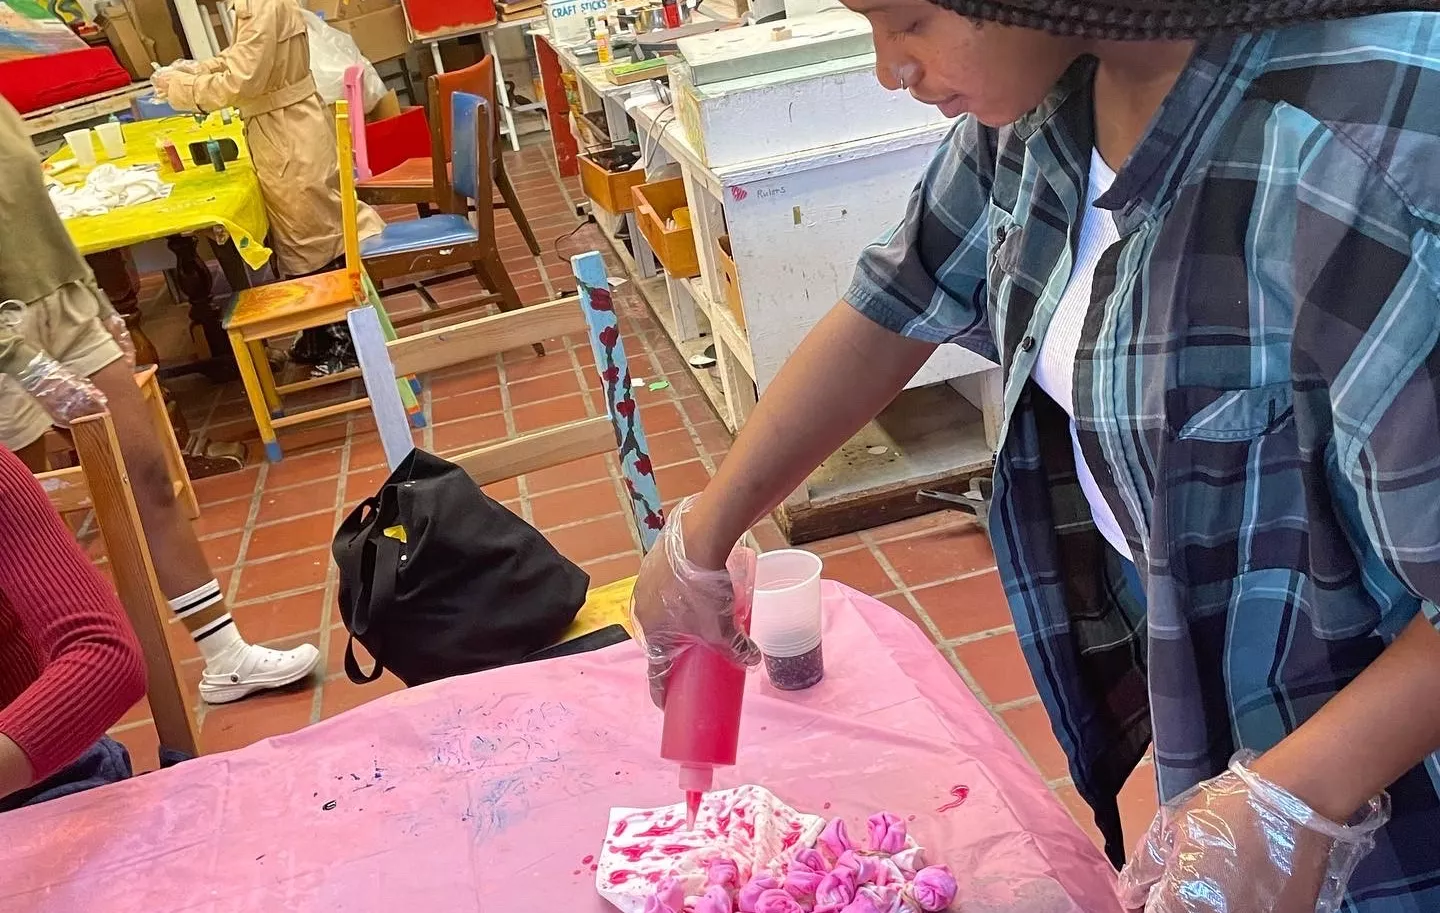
[(732, 862)]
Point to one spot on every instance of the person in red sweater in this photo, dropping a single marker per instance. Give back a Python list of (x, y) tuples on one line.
[(69, 663)]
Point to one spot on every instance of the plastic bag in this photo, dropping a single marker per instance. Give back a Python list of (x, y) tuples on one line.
[(332, 52), (64, 395)]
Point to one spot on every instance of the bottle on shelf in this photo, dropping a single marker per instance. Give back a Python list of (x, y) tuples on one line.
[(602, 41)]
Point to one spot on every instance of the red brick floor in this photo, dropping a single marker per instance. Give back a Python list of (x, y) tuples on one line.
[(267, 528)]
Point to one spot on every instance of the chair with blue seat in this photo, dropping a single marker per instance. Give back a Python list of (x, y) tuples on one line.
[(453, 237), (282, 309)]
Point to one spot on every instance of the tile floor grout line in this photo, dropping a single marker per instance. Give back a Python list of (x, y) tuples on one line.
[(933, 584), (521, 483), (332, 577), (1020, 703), (977, 636), (924, 616)]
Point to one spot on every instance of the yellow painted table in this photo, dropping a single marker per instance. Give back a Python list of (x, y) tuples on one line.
[(202, 199)]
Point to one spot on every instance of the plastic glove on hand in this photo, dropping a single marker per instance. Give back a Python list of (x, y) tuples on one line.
[(677, 604), (161, 80), (185, 66), (1241, 844), (114, 323), (65, 395)]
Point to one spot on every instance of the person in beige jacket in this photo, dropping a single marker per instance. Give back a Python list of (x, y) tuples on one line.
[(265, 73)]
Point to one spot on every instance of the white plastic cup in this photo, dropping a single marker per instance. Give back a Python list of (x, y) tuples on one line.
[(82, 146), (112, 139), (785, 619)]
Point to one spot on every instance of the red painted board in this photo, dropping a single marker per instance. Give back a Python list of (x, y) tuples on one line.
[(431, 19)]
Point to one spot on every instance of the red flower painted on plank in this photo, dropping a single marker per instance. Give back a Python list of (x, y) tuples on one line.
[(642, 465), (626, 406), (654, 520), (611, 374), (630, 487), (600, 300), (609, 336)]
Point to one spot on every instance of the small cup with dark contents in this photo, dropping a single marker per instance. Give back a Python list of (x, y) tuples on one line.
[(785, 621)]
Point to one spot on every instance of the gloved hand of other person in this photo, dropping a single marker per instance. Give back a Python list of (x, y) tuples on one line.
[(64, 394), (161, 80), (185, 66), (1241, 844), (115, 324), (679, 606)]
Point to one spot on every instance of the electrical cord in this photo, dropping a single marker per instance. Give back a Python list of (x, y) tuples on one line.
[(657, 128)]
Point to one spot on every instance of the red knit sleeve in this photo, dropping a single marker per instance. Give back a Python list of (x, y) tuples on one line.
[(64, 617)]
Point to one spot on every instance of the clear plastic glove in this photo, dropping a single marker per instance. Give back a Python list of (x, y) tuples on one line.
[(677, 605), (64, 394), (114, 323), (161, 80), (185, 66), (1241, 844)]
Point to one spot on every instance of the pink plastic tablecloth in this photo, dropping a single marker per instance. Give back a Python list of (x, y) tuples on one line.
[(487, 793)]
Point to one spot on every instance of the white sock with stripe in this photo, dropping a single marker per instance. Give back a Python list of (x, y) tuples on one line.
[(202, 611)]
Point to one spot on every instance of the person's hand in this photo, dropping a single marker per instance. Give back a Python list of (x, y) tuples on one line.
[(115, 324), (1239, 842), (65, 395), (678, 605), (191, 67), (161, 79)]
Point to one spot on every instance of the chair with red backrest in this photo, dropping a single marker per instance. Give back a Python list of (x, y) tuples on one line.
[(426, 182)]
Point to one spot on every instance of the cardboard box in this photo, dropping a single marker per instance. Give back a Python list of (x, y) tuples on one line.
[(349, 9), (380, 36), (387, 106), (329, 10), (157, 29), (124, 36)]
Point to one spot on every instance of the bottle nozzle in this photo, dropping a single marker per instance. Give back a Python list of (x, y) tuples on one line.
[(696, 780)]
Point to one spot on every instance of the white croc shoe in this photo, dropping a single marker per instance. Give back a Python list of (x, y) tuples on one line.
[(254, 669)]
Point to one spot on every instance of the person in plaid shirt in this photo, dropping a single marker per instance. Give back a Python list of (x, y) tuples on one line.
[(1202, 239)]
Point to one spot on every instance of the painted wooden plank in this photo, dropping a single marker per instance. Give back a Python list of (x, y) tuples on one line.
[(385, 400), (538, 450), (485, 336), (593, 282)]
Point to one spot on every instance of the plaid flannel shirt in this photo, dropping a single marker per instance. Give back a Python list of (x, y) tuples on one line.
[(1257, 390)]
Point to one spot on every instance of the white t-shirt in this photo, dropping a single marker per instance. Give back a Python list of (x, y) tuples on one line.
[(1055, 366)]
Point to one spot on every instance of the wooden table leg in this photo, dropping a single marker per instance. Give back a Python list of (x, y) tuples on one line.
[(115, 272), (206, 320)]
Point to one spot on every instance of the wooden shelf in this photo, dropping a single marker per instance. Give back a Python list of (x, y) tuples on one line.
[(929, 437), (932, 437)]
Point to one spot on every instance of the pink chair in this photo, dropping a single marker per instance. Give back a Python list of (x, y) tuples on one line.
[(355, 100)]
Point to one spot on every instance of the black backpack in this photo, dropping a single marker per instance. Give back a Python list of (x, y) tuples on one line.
[(437, 579)]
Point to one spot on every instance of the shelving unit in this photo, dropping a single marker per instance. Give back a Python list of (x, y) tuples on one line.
[(796, 223)]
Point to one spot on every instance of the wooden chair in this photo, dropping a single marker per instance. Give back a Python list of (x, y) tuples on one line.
[(101, 483), (424, 182), (451, 238), (620, 430), (285, 308)]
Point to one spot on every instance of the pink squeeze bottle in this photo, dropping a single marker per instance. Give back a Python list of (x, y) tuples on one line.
[(702, 710)]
